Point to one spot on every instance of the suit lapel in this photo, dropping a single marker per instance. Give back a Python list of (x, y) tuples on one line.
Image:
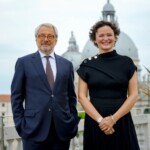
[(36, 60)]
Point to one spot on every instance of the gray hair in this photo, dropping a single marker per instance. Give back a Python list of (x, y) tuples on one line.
[(46, 25)]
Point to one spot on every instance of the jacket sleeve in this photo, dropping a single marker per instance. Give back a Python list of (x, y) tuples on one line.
[(18, 94), (71, 92)]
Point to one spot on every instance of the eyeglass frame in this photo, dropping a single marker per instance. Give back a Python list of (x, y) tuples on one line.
[(49, 36)]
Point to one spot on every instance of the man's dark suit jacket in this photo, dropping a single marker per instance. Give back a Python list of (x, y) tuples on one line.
[(34, 104)]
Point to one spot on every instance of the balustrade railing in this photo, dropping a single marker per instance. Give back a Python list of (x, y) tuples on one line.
[(140, 110), (12, 141)]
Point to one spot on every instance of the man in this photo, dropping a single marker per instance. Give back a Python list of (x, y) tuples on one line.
[(43, 97)]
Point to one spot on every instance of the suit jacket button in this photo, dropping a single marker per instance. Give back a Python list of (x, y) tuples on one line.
[(52, 95), (49, 109)]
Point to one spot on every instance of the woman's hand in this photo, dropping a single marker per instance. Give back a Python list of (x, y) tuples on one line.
[(106, 125)]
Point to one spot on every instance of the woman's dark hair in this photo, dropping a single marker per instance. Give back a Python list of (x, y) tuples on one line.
[(99, 24)]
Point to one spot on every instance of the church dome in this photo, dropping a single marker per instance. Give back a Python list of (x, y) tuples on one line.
[(74, 57), (73, 53), (124, 46)]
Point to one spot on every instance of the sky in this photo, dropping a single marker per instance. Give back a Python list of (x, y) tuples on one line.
[(18, 20)]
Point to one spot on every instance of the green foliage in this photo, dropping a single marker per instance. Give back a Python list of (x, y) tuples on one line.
[(77, 135), (81, 114)]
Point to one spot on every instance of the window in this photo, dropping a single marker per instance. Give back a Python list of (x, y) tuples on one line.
[(3, 104)]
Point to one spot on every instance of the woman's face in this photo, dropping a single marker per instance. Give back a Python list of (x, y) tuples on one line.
[(105, 39)]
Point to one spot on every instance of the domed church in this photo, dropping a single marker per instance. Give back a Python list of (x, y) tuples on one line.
[(124, 44)]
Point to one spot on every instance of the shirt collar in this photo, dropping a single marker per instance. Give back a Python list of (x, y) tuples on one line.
[(43, 55)]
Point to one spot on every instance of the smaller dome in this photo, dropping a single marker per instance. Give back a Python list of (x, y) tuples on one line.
[(74, 57), (73, 54)]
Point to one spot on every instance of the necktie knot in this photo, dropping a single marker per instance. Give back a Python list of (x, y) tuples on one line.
[(49, 72), (47, 57)]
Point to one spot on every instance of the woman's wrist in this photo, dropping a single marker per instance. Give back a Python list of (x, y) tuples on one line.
[(99, 120), (113, 118)]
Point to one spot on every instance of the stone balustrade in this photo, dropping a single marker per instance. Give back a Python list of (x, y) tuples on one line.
[(140, 110), (10, 138), (142, 124)]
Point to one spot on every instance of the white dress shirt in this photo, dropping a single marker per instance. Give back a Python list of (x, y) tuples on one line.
[(52, 62)]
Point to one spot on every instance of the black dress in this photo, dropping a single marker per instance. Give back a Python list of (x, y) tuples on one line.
[(107, 76)]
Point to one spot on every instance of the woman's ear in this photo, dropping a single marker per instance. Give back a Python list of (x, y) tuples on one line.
[(95, 42), (115, 41)]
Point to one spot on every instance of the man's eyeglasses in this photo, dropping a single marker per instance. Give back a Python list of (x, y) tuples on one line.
[(43, 36)]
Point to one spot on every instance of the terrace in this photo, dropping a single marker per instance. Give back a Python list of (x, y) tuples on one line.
[(9, 139)]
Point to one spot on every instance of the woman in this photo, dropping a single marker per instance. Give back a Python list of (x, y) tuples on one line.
[(107, 92)]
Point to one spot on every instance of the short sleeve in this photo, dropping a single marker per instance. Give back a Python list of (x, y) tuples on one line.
[(132, 68), (82, 72)]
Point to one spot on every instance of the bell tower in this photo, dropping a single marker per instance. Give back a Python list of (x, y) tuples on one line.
[(108, 12)]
